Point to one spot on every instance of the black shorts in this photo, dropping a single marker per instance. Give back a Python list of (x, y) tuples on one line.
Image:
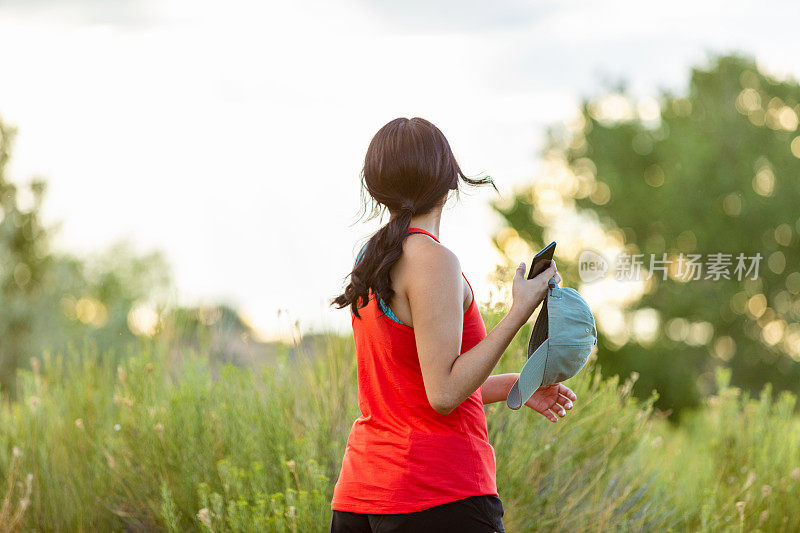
[(478, 514)]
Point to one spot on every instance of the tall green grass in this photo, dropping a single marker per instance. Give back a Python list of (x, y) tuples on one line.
[(150, 441)]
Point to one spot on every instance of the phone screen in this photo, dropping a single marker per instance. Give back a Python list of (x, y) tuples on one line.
[(542, 260)]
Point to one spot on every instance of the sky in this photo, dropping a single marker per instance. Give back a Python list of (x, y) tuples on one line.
[(231, 134)]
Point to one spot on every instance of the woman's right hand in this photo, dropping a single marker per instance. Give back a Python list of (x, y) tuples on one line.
[(529, 293)]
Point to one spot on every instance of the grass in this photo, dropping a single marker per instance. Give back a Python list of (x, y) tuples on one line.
[(145, 441)]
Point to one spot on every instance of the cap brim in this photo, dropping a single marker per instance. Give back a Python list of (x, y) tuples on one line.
[(514, 400), (530, 378)]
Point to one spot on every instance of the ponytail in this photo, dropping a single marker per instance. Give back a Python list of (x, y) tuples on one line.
[(372, 269)]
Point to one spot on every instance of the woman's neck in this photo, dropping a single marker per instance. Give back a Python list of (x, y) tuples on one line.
[(429, 222)]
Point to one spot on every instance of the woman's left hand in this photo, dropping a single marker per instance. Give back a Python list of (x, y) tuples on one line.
[(552, 401)]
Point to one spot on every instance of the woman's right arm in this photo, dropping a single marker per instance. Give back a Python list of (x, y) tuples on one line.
[(435, 294)]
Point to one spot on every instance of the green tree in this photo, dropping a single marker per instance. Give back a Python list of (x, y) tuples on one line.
[(716, 169), (24, 260), (49, 300)]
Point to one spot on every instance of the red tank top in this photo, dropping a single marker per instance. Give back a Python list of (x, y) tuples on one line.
[(401, 455)]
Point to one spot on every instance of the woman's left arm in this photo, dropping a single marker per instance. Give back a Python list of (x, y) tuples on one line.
[(496, 387), (550, 401)]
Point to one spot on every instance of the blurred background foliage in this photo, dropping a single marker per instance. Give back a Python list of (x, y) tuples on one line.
[(50, 300), (106, 300), (714, 169)]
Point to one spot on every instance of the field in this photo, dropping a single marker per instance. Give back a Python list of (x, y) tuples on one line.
[(143, 440)]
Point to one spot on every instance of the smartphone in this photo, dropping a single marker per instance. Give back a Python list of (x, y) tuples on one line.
[(542, 260)]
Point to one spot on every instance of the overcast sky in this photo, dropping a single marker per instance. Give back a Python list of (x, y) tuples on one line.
[(231, 134)]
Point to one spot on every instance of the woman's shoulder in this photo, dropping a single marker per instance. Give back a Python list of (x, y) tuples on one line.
[(423, 255)]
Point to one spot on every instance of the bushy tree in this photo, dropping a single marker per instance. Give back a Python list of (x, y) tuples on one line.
[(713, 170), (49, 300), (24, 262)]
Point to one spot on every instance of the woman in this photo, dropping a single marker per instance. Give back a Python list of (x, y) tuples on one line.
[(418, 457)]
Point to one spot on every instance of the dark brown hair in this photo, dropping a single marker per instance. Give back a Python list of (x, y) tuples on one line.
[(409, 169)]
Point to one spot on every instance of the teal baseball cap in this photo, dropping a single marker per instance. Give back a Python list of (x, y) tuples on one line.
[(571, 336)]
